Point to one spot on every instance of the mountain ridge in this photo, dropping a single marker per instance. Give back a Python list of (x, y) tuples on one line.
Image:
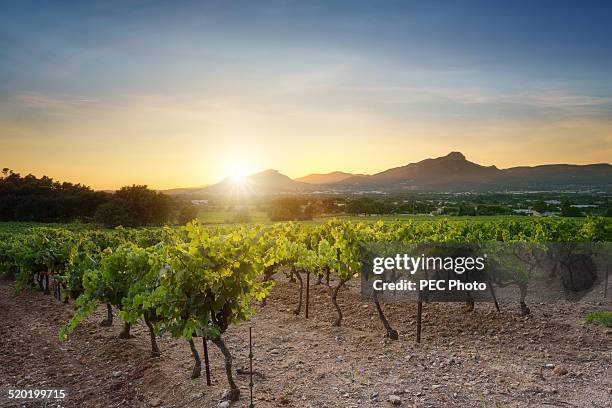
[(450, 173), (326, 178)]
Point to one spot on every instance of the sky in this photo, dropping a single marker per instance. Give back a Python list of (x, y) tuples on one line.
[(177, 94)]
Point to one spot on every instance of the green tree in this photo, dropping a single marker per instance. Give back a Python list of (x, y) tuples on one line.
[(135, 206), (29, 198), (568, 211), (286, 209), (185, 211), (540, 206), (362, 205)]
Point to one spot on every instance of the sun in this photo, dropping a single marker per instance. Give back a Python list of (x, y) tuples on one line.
[(238, 178), (236, 168), (237, 174), (238, 185)]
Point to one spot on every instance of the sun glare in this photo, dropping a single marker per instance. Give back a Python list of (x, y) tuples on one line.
[(239, 184), (237, 174), (237, 178), (237, 169)]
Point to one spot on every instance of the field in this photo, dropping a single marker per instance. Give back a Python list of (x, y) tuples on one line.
[(260, 217), (477, 359), (168, 288), (424, 218), (226, 217)]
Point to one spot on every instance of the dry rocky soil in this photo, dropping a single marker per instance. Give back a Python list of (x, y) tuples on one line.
[(551, 358)]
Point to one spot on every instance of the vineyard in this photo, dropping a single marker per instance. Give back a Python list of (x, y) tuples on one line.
[(195, 283)]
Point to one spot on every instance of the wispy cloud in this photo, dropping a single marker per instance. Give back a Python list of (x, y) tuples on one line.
[(556, 99), (353, 84), (52, 102), (562, 100)]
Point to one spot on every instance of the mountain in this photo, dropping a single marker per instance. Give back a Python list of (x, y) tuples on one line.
[(559, 176), (454, 172), (325, 178), (267, 181), (450, 173)]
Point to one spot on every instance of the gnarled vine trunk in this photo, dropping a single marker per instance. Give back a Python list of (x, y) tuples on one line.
[(391, 332), (268, 276), (234, 393), (125, 332), (197, 368), (334, 300), (469, 303), (298, 310), (39, 280), (154, 348), (523, 291), (291, 277), (109, 316), (206, 361), (46, 277)]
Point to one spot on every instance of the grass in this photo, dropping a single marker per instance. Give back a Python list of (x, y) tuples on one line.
[(17, 226), (604, 318), (226, 217), (418, 217), (218, 217)]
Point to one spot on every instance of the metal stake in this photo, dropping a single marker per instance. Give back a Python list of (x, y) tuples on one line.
[(252, 405), (307, 292)]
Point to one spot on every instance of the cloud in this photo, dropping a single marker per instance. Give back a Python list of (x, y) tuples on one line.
[(561, 101), (369, 86), (52, 103)]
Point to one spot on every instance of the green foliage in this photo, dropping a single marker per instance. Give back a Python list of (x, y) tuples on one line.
[(288, 209), (185, 212), (568, 211), (28, 198), (135, 206), (604, 318), (37, 250), (209, 281), (199, 280), (364, 205), (242, 215), (113, 276)]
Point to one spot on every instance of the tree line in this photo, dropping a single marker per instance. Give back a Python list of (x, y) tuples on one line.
[(29, 198)]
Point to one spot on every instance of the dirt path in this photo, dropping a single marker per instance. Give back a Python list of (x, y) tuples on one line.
[(477, 359)]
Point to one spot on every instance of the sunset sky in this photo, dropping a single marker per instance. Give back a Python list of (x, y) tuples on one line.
[(176, 94)]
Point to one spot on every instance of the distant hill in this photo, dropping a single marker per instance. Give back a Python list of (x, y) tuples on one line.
[(183, 190), (556, 176), (454, 172), (265, 182), (450, 173), (325, 178)]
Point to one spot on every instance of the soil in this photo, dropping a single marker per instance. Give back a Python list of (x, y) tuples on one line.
[(465, 359)]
